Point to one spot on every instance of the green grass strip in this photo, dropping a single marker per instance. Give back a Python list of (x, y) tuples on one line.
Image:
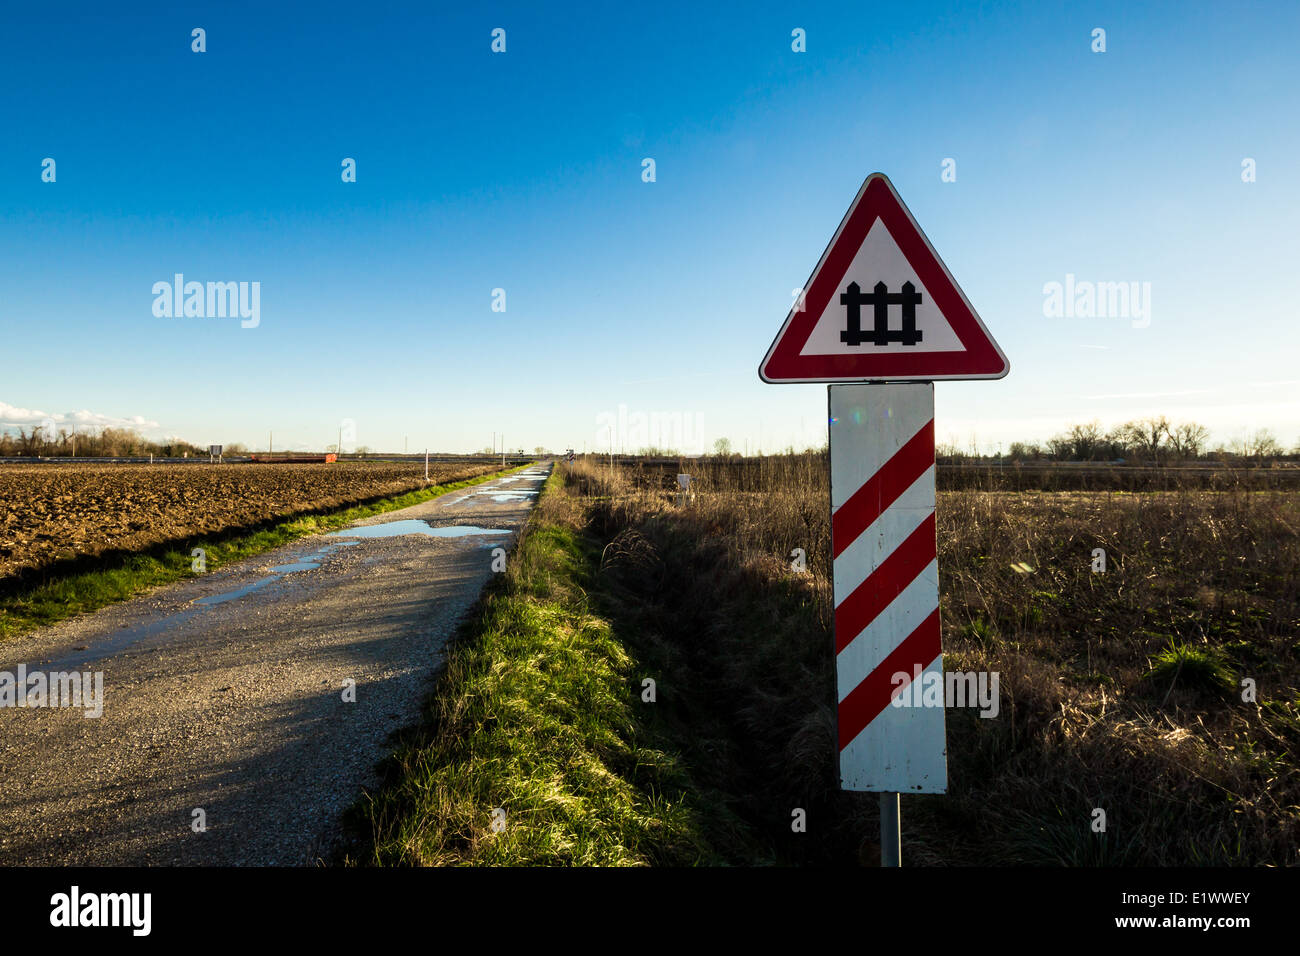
[(537, 748), (62, 597)]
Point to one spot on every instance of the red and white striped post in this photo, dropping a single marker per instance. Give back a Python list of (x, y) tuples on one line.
[(886, 585)]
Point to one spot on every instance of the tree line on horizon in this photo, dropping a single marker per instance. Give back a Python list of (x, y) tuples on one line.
[(1154, 439), (128, 443), (99, 443)]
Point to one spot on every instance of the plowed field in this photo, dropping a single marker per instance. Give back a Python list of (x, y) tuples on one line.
[(51, 513)]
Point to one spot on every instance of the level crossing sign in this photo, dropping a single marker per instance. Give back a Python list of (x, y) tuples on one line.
[(880, 319)]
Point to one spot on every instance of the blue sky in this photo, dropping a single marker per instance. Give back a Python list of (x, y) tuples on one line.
[(522, 171)]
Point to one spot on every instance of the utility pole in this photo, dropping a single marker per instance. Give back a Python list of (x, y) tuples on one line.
[(269, 436)]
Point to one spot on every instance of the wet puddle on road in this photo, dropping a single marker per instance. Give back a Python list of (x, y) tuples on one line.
[(507, 495), (296, 566), (127, 637), (395, 529), (225, 596), (304, 562), (310, 562), (120, 640)]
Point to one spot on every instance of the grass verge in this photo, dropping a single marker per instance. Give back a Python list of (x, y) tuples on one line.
[(56, 598), (538, 745)]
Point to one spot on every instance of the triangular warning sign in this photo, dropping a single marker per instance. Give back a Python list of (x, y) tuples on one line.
[(881, 305)]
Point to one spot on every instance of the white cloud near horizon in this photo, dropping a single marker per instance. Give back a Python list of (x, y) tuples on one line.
[(12, 416)]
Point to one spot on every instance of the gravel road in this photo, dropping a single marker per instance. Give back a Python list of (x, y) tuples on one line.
[(226, 693)]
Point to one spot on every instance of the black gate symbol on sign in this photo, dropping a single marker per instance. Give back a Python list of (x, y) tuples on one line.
[(880, 299)]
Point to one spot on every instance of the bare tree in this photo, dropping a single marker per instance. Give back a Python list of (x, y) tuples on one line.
[(1187, 439), (722, 447), (1148, 435), (1262, 444), (1085, 440), (1117, 442), (1060, 447)]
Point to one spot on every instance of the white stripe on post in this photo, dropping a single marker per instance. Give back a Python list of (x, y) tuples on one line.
[(886, 587), (884, 536), (868, 649)]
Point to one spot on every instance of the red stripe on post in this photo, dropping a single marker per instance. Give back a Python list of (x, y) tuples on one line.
[(885, 583), (882, 489), (865, 702)]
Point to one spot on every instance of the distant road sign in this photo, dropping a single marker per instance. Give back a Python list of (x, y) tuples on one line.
[(881, 306)]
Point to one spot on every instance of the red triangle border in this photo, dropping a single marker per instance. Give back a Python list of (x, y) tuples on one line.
[(877, 199)]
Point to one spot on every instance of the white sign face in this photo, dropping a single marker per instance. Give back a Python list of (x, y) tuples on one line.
[(215, 450), (879, 260)]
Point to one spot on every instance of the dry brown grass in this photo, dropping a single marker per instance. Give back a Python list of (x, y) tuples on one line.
[(1120, 690)]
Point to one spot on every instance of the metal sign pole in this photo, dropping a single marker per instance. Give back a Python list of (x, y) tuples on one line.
[(891, 834)]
